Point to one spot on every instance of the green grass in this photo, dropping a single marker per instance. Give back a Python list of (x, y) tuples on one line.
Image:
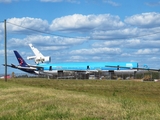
[(42, 99)]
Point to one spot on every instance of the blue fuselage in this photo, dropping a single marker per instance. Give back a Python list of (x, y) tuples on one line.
[(83, 66)]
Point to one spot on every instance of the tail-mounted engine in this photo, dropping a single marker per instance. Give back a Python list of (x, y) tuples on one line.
[(38, 60), (43, 60)]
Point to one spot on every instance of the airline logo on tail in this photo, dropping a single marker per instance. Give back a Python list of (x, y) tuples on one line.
[(20, 61)]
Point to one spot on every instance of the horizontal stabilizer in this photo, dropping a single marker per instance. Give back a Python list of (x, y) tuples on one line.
[(31, 57)]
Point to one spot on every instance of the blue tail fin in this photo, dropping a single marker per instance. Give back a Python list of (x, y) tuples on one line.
[(20, 59)]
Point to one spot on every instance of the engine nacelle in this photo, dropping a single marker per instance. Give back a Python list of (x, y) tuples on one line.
[(46, 59)]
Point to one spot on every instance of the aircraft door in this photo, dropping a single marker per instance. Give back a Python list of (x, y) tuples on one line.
[(50, 68), (88, 68)]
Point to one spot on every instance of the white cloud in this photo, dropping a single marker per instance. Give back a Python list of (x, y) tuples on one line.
[(128, 44), (111, 2), (1, 52), (1, 32), (10, 1), (71, 1), (77, 58), (147, 51), (107, 44), (153, 4), (26, 23), (51, 0), (6, 1), (126, 33), (9, 52), (96, 58), (118, 43), (94, 51), (126, 55), (81, 22), (53, 42), (147, 20)]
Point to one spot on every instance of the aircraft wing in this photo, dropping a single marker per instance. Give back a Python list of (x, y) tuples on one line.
[(118, 67), (20, 67), (35, 66), (149, 69), (138, 68), (12, 65)]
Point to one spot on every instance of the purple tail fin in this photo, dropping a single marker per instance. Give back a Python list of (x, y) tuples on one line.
[(20, 59)]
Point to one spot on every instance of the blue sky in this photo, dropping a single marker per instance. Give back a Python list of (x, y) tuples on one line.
[(82, 30)]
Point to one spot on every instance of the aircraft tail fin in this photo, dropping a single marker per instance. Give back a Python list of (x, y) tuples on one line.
[(20, 59), (36, 51)]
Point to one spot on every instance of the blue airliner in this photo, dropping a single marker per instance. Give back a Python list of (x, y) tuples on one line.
[(83, 67)]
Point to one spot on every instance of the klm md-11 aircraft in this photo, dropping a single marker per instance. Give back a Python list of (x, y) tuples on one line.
[(82, 67)]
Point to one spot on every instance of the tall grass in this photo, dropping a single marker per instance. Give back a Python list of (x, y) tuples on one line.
[(40, 99)]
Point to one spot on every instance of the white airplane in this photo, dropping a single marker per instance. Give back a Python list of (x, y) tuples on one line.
[(38, 58)]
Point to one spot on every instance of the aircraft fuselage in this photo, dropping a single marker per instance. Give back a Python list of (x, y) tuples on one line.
[(84, 66)]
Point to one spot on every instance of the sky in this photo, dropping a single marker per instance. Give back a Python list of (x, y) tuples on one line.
[(82, 30)]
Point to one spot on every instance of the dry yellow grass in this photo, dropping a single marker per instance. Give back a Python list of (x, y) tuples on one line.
[(23, 99)]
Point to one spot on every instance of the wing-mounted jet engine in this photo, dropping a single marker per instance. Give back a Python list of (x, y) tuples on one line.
[(38, 58)]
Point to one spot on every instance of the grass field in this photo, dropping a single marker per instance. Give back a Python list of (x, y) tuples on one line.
[(42, 99)]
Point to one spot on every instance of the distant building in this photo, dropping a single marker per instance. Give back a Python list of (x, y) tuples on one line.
[(2, 77)]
